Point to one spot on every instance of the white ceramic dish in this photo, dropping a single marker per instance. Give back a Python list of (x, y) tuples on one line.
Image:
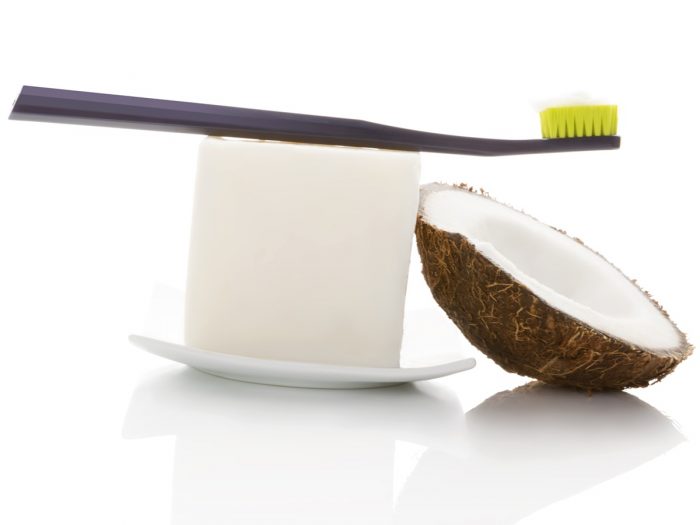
[(295, 373), (432, 347)]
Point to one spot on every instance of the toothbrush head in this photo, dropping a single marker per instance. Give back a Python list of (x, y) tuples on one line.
[(579, 121)]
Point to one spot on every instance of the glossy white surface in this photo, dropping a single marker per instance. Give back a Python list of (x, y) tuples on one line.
[(95, 431), (407, 454)]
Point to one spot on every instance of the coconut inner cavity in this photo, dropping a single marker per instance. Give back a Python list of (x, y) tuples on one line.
[(562, 272)]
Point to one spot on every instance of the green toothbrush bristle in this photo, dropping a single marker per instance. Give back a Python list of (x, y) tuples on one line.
[(578, 121)]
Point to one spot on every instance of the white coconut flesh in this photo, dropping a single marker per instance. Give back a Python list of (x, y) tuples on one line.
[(559, 270)]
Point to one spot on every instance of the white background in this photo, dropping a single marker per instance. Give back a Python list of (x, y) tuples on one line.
[(94, 431)]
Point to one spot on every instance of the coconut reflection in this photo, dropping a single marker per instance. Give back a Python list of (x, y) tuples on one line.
[(532, 446), (405, 454)]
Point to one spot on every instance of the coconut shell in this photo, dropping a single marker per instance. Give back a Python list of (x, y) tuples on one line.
[(523, 334)]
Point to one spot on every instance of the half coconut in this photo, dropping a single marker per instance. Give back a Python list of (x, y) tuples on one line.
[(538, 302)]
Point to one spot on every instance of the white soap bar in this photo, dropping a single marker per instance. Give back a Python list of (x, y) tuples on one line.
[(301, 252)]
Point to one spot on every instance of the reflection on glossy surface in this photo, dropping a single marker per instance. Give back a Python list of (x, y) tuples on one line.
[(405, 454), (532, 446)]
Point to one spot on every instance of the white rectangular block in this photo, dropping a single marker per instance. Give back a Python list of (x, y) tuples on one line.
[(301, 252)]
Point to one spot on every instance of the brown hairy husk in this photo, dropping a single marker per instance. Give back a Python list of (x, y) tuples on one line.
[(523, 334)]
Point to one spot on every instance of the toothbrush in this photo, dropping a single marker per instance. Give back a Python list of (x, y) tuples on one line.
[(578, 128)]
